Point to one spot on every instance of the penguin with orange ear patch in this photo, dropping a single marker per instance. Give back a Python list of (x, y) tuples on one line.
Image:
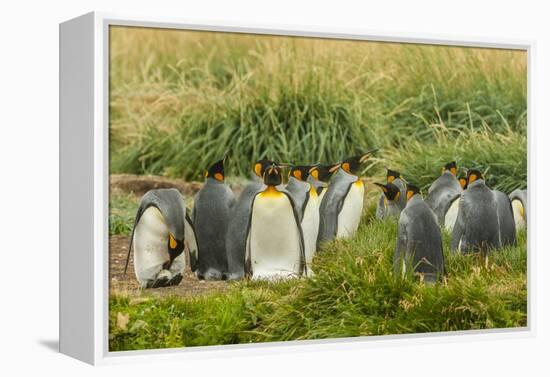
[(342, 205), (443, 192), (419, 247), (319, 177), (211, 218), (391, 202)]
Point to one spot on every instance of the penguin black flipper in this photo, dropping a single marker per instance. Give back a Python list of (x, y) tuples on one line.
[(297, 217), (458, 229), (247, 256), (193, 246), (401, 247)]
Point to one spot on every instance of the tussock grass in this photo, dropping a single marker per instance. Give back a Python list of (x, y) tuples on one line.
[(180, 100), (354, 293)]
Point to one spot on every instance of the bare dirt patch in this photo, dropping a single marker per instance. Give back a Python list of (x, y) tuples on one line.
[(140, 184), (122, 284)]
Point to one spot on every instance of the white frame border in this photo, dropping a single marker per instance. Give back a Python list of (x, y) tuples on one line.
[(102, 355)]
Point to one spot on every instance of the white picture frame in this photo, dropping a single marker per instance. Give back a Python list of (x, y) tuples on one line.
[(84, 169)]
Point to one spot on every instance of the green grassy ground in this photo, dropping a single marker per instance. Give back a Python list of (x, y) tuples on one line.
[(354, 293)]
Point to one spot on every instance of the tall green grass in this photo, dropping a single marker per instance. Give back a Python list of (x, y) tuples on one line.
[(179, 100), (354, 293)]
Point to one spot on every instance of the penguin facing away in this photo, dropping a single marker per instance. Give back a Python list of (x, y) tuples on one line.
[(320, 176), (443, 192), (307, 203), (506, 223), (162, 228), (211, 218), (391, 203), (419, 246), (519, 206), (342, 205), (395, 178), (275, 244), (237, 230), (476, 228)]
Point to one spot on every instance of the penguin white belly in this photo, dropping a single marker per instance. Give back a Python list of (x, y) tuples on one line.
[(310, 228), (349, 216), (150, 245), (519, 214), (452, 214), (274, 238)]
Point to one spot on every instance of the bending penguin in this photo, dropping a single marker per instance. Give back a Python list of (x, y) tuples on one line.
[(342, 204), (237, 230), (477, 223), (419, 247), (444, 195), (391, 201), (519, 206), (307, 203), (211, 219), (275, 244), (397, 199), (320, 176), (161, 229)]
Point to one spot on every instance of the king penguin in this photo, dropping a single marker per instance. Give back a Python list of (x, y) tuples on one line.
[(506, 223), (342, 205), (307, 203), (211, 218), (161, 229), (275, 244), (419, 245), (519, 206), (237, 230), (477, 227), (397, 202), (391, 203), (320, 176), (444, 194)]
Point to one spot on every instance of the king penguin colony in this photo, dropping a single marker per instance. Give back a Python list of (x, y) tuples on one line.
[(272, 230)]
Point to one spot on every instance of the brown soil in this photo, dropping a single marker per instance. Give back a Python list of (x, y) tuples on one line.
[(140, 184), (128, 285)]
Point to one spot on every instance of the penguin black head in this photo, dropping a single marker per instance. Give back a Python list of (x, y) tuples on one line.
[(392, 175), (351, 165), (300, 172), (261, 165), (463, 182), (216, 171), (272, 176), (473, 175), (323, 172), (451, 168), (175, 246), (412, 190), (390, 190)]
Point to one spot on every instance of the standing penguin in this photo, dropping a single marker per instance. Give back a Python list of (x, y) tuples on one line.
[(444, 194), (342, 205), (237, 230), (519, 206), (476, 227), (391, 203), (211, 218), (419, 245), (307, 204), (506, 223), (275, 244), (395, 178), (320, 176), (161, 229)]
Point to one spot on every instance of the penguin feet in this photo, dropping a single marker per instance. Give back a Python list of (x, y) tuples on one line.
[(162, 279), (176, 279), (211, 274)]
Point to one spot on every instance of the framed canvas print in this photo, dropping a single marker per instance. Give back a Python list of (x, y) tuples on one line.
[(228, 188)]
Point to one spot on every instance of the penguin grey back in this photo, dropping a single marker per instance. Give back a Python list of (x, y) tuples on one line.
[(419, 243), (441, 194), (507, 225), (237, 230), (299, 190), (476, 227), (170, 203), (332, 203), (211, 219)]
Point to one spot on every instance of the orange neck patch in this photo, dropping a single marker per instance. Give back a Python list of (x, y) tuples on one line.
[(271, 191)]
